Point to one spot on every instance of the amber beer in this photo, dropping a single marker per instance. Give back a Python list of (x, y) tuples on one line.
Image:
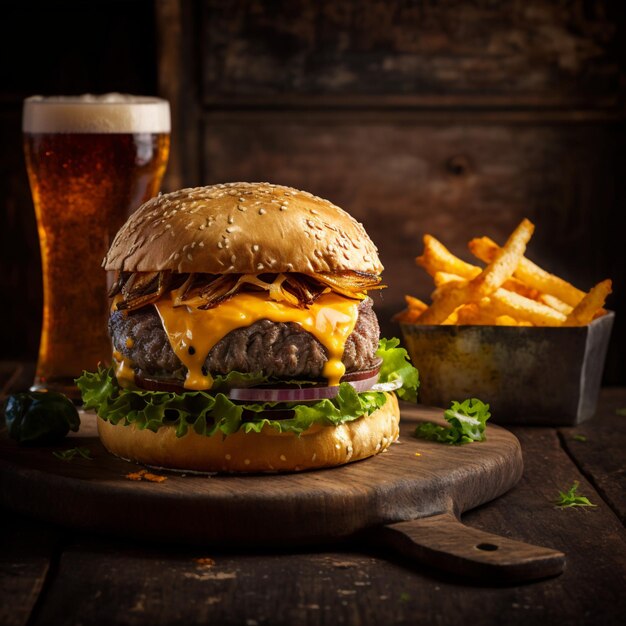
[(91, 161)]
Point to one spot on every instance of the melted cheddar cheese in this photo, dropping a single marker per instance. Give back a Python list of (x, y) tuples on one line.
[(192, 332), (124, 371)]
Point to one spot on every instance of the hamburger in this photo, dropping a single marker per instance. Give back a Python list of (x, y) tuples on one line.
[(243, 336)]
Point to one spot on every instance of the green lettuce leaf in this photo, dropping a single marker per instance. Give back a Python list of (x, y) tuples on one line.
[(209, 413), (396, 366), (467, 421)]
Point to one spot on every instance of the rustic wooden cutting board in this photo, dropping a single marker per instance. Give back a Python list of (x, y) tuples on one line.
[(409, 498)]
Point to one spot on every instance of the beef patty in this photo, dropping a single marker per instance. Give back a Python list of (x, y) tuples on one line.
[(284, 350)]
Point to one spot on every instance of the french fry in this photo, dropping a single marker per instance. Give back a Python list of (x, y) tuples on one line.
[(415, 303), (442, 278), (532, 275), (516, 285), (506, 320), (452, 319), (521, 308), (473, 314), (505, 261), (509, 291), (584, 312), (407, 316), (415, 307), (555, 303), (437, 258), (446, 299)]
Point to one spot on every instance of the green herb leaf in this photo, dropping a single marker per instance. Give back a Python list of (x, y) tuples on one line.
[(571, 498), (68, 455), (579, 438), (467, 421), (209, 413)]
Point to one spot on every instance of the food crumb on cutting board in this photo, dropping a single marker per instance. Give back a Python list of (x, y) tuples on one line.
[(145, 475)]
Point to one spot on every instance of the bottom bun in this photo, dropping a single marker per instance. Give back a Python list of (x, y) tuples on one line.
[(267, 451)]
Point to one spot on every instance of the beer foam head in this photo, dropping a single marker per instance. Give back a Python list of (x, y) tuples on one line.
[(108, 113)]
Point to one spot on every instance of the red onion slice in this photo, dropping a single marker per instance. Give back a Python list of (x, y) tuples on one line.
[(308, 394)]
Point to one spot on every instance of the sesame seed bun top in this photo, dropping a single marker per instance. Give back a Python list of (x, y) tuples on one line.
[(242, 228)]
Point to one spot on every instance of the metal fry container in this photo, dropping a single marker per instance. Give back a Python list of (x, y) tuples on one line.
[(529, 375)]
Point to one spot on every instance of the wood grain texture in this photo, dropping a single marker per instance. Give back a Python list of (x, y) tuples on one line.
[(443, 542), (177, 67), (412, 479), (600, 455), (27, 550), (129, 582), (307, 53), (593, 538)]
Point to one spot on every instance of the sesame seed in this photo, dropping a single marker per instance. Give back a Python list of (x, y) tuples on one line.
[(314, 211), (241, 199), (231, 219), (242, 208), (202, 226), (168, 226), (229, 230), (309, 223), (260, 266), (261, 211), (366, 258), (220, 244), (314, 456), (255, 248), (283, 208), (172, 233), (233, 258), (190, 257), (283, 457), (337, 445), (201, 244)]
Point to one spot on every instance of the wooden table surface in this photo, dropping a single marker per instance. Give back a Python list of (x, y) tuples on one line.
[(52, 576)]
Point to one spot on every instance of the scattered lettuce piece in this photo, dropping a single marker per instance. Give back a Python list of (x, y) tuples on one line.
[(571, 498), (209, 413), (68, 455), (467, 421)]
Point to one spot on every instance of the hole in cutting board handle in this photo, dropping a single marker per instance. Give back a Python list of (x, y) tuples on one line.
[(442, 541)]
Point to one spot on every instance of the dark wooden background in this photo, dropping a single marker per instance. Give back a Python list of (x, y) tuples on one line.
[(455, 118)]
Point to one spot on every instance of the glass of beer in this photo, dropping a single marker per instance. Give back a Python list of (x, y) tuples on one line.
[(91, 161)]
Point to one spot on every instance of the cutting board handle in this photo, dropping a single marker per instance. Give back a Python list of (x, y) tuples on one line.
[(442, 541)]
